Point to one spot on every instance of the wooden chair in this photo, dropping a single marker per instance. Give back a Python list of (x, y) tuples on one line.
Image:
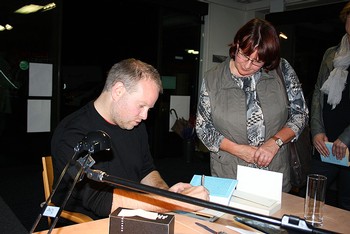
[(48, 184)]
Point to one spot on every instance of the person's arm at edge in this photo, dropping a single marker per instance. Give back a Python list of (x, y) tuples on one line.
[(345, 136), (318, 133), (316, 123)]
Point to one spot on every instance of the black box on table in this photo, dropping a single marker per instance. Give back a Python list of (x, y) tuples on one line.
[(163, 224)]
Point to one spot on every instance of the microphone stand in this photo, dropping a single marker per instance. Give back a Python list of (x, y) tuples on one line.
[(288, 222), (84, 162), (92, 142)]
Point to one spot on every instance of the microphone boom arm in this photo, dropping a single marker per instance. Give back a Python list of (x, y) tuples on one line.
[(287, 222)]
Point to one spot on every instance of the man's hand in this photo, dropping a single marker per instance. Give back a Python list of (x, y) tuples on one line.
[(189, 190), (151, 202), (179, 187), (199, 192)]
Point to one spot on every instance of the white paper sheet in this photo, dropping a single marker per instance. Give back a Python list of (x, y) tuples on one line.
[(39, 116), (40, 79), (138, 212), (260, 182)]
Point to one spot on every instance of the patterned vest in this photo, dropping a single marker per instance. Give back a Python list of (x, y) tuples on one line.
[(228, 103)]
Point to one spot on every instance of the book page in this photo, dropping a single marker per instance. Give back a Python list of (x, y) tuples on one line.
[(260, 182)]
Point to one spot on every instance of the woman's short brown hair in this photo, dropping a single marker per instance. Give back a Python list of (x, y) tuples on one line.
[(344, 12), (261, 35)]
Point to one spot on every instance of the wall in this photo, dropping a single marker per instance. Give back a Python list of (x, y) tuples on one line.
[(310, 30), (221, 24)]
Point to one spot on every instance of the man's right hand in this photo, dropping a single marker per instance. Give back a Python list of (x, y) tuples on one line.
[(199, 192)]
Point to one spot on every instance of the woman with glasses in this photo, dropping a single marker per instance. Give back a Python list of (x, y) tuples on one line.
[(243, 116)]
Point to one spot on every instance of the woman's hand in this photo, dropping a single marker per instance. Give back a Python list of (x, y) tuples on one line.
[(339, 149), (265, 153), (246, 152), (319, 143)]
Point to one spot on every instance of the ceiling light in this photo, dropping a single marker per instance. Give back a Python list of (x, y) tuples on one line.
[(49, 6), (34, 8), (29, 9), (282, 35), (192, 51), (8, 27)]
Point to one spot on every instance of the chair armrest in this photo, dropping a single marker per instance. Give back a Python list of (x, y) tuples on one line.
[(75, 217)]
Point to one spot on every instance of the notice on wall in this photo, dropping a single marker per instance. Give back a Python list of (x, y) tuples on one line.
[(40, 79), (39, 116)]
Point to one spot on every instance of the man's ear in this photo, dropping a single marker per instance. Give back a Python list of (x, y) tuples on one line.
[(118, 90)]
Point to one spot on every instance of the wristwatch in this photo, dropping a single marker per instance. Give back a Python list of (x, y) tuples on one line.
[(278, 141)]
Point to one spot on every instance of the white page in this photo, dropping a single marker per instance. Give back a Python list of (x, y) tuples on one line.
[(40, 79), (39, 116), (260, 182)]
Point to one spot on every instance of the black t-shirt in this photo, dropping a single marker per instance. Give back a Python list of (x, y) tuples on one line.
[(129, 158)]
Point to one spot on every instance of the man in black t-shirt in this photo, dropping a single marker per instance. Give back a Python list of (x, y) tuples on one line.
[(131, 89)]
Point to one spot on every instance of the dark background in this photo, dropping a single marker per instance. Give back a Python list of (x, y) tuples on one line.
[(83, 39), (312, 31)]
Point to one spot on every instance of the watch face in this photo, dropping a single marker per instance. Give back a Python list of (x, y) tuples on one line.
[(279, 142)]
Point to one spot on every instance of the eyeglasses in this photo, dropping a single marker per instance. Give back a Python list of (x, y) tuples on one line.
[(246, 58)]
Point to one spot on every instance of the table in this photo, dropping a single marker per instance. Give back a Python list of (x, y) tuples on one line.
[(335, 219), (183, 225)]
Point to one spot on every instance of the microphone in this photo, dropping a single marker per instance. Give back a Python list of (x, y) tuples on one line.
[(94, 142)]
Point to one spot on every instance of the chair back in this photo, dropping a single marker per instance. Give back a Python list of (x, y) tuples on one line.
[(48, 177)]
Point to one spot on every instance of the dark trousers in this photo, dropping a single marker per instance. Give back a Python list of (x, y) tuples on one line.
[(335, 174)]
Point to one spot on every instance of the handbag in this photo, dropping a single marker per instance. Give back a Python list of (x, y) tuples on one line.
[(300, 155), (300, 159)]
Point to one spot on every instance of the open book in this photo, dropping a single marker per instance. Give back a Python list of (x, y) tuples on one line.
[(332, 159), (258, 191)]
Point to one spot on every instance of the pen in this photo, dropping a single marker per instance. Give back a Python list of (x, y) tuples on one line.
[(208, 216), (202, 180), (206, 228)]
